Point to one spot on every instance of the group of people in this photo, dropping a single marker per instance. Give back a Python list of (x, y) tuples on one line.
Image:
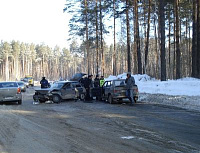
[(88, 83)]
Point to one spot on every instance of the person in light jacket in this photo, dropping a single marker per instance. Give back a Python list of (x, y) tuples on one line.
[(130, 82)]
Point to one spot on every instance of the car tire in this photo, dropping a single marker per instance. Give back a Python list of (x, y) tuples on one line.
[(56, 98), (110, 99), (82, 96), (19, 102)]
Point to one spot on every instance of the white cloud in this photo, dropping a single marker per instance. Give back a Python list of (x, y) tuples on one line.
[(34, 21)]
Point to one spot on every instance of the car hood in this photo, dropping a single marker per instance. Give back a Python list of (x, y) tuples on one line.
[(77, 76)]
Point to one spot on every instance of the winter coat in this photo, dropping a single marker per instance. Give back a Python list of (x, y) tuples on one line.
[(130, 82)]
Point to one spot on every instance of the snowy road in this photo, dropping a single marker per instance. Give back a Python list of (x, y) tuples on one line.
[(98, 127)]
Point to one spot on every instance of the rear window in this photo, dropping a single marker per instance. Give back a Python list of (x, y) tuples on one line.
[(8, 84), (120, 83)]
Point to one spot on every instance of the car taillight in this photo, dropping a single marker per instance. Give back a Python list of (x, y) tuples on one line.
[(116, 91), (18, 90)]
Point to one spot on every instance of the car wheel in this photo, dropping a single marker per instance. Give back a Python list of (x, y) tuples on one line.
[(19, 102), (110, 99), (56, 99), (82, 96)]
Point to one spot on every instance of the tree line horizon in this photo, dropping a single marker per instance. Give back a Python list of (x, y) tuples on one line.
[(160, 38)]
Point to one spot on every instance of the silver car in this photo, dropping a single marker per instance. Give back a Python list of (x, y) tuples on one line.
[(69, 90), (22, 86), (10, 92)]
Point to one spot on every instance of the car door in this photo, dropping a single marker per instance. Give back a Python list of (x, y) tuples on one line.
[(68, 91), (106, 87)]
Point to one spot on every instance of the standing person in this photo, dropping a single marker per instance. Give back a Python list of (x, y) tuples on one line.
[(130, 82), (88, 85), (101, 81), (44, 83), (97, 81)]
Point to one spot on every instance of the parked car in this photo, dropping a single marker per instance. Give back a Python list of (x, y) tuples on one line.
[(22, 86), (10, 92), (69, 90), (59, 91), (115, 91)]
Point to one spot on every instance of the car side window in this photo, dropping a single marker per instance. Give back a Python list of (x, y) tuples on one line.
[(105, 84), (67, 86), (109, 84)]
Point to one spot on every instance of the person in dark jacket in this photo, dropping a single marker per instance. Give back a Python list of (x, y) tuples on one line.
[(130, 82), (44, 83), (88, 84), (97, 81)]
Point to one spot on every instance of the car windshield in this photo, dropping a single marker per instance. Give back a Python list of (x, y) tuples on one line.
[(20, 83), (58, 85), (28, 78), (25, 80), (8, 84), (119, 83)]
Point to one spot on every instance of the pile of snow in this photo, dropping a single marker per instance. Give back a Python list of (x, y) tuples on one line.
[(150, 89)]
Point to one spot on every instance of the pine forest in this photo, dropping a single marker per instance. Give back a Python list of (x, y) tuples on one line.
[(160, 38)]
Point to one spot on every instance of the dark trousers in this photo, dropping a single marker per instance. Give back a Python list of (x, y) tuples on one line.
[(87, 97), (129, 94)]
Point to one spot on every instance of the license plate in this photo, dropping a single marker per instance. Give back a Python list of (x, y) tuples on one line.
[(8, 98)]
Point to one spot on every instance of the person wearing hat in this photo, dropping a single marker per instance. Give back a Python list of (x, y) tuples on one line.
[(130, 82), (44, 83)]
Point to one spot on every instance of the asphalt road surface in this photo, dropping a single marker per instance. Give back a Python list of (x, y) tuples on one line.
[(97, 127)]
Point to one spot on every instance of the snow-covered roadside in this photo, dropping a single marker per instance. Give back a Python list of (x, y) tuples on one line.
[(186, 102), (182, 93)]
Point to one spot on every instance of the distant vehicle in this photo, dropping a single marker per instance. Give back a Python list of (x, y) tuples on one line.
[(28, 80), (22, 86), (115, 91), (59, 91), (10, 92)]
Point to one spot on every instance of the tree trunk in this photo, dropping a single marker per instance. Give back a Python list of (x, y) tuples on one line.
[(194, 40), (162, 41), (169, 64), (128, 37), (87, 36), (137, 37), (178, 54), (147, 38), (114, 50), (97, 39), (198, 38), (101, 33)]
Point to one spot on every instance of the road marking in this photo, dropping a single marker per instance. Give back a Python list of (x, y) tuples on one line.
[(128, 137)]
